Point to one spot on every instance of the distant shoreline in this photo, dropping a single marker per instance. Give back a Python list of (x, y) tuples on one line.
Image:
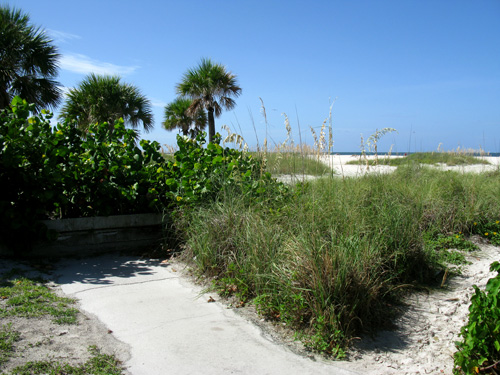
[(338, 162), (354, 153)]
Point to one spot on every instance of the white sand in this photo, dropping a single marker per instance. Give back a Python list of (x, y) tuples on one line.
[(423, 342), (339, 164)]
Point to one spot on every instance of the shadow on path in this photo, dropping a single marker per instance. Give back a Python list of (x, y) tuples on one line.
[(105, 269)]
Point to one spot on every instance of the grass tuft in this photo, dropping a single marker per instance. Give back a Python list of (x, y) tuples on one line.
[(294, 163), (27, 297), (98, 364), (7, 339)]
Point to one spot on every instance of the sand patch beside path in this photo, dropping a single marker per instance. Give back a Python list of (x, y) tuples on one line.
[(424, 340), (40, 339)]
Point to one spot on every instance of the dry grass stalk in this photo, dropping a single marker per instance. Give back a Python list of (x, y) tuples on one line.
[(168, 149), (235, 138)]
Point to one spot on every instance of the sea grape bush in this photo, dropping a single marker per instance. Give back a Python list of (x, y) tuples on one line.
[(201, 174), (27, 181), (62, 172), (479, 350)]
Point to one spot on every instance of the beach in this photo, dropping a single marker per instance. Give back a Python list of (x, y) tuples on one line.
[(339, 164), (422, 341)]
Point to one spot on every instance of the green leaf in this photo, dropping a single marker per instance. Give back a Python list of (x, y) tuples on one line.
[(217, 160)]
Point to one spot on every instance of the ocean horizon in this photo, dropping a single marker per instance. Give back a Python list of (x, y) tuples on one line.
[(493, 154)]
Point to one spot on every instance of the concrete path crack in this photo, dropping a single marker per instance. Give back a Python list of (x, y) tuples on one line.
[(125, 284)]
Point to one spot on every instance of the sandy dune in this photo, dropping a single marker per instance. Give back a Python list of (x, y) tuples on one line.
[(339, 164)]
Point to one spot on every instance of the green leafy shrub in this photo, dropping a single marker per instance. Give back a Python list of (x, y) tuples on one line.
[(443, 248), (457, 241), (489, 230), (59, 172), (203, 174), (26, 180), (479, 351), (51, 172)]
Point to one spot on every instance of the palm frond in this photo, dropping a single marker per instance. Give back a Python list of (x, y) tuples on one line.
[(104, 98), (210, 86), (185, 115)]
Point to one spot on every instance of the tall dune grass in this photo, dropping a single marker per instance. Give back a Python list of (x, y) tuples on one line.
[(294, 163), (332, 258)]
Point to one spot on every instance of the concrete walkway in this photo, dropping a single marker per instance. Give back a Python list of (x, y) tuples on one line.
[(169, 325)]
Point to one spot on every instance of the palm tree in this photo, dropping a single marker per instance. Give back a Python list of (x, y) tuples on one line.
[(105, 99), (176, 116), (28, 62), (210, 87)]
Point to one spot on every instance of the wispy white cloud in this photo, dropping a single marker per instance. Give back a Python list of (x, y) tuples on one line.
[(83, 64), (61, 36), (157, 103)]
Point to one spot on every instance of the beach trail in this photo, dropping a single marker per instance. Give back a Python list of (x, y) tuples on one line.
[(172, 327)]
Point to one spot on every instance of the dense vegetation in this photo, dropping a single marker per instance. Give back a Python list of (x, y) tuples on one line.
[(333, 259), (330, 258), (62, 171)]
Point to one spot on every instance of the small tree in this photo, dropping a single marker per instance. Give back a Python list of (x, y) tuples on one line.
[(177, 117), (100, 99), (211, 87)]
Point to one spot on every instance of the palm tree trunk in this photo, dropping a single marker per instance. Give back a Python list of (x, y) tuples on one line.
[(211, 124)]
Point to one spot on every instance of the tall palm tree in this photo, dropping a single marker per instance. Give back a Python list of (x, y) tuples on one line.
[(105, 99), (211, 87), (177, 117), (28, 61)]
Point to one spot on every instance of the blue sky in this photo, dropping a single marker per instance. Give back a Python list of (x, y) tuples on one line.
[(428, 68)]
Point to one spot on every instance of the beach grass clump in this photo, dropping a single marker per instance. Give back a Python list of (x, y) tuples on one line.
[(288, 157), (333, 258), (293, 163)]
